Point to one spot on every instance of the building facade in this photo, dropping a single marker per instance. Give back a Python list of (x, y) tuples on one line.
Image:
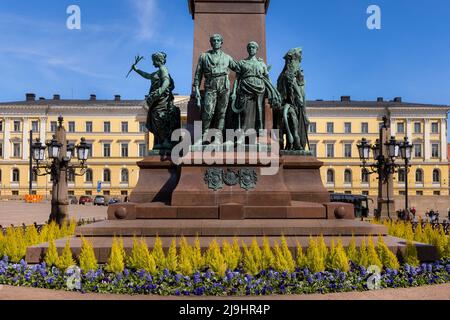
[(115, 130)]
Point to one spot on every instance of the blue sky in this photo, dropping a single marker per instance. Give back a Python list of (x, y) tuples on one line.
[(408, 57)]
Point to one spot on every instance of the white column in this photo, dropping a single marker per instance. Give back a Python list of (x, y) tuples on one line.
[(409, 130), (444, 150), (42, 129), (6, 137), (426, 139), (25, 137)]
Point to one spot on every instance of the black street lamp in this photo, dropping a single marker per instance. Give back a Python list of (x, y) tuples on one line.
[(60, 154), (385, 162)]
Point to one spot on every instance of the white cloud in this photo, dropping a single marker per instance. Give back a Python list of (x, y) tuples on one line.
[(146, 12)]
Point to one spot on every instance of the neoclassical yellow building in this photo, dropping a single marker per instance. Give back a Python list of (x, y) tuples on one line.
[(115, 129)]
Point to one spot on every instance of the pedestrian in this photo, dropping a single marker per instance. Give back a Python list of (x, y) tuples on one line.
[(448, 214)]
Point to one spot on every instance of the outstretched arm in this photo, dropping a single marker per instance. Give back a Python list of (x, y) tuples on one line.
[(142, 73)]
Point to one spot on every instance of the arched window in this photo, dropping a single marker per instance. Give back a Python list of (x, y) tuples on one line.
[(0, 175), (419, 176), (330, 176), (106, 175), (16, 175), (348, 176), (88, 176), (365, 176), (34, 176), (124, 176), (436, 176)]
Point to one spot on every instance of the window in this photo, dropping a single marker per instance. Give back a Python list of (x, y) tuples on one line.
[(124, 176), (123, 192), (435, 150), (15, 192), (330, 127), (364, 127), (142, 127), (1, 149), (435, 127), (88, 192), (106, 150), (419, 176), (348, 150), (312, 127), (71, 126), (0, 176), (401, 176), (313, 149), (365, 176), (330, 176), (400, 127), (107, 127), (436, 193), (419, 193), (91, 150), (70, 175), (330, 150), (16, 126), (33, 176), (348, 176), (16, 175), (88, 177), (106, 192), (401, 193), (348, 127), (16, 150), (35, 126), (142, 150), (71, 193), (365, 193), (53, 126), (124, 150), (124, 126), (88, 126), (436, 176), (417, 127), (106, 175), (1, 126), (418, 150)]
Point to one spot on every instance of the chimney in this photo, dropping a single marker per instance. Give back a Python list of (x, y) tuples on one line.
[(93, 97), (117, 97), (56, 97), (398, 99), (30, 97), (345, 99), (380, 99)]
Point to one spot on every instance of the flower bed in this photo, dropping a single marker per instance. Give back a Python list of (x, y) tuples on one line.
[(233, 283)]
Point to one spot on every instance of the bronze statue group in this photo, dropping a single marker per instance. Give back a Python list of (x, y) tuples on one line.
[(240, 107)]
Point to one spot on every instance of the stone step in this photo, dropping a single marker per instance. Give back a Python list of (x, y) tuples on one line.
[(102, 245), (230, 228)]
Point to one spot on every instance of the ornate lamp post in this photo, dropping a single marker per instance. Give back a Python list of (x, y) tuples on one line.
[(58, 164), (385, 155)]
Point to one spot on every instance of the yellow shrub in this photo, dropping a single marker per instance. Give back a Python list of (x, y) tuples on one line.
[(363, 258), (2, 244), (302, 260), (198, 261), (340, 258), (409, 234), (185, 258), (250, 265), (72, 227), (387, 257), (14, 245), (229, 256), (237, 250), (43, 235), (215, 260), (51, 256), (440, 242), (352, 251), (63, 230), (372, 254), (290, 263), (255, 250), (428, 234), (87, 259), (447, 249), (66, 259), (322, 246), (316, 262), (158, 254), (172, 258), (329, 261), (268, 258), (410, 255), (31, 236), (418, 234), (140, 257), (116, 263), (281, 264)]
